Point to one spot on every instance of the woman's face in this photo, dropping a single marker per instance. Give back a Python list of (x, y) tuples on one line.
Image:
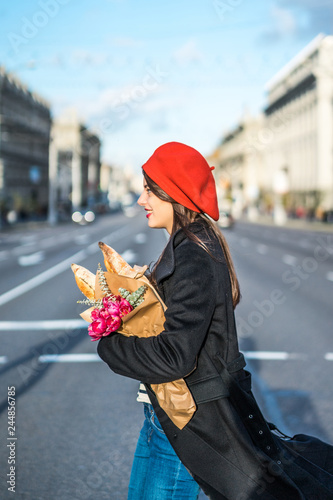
[(158, 212)]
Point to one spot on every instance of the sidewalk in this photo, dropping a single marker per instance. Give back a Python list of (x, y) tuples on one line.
[(26, 226), (301, 224)]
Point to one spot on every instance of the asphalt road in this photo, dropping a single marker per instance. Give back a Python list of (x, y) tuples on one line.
[(285, 322), (76, 423)]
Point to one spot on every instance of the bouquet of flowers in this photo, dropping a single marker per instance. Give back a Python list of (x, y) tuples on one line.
[(122, 299)]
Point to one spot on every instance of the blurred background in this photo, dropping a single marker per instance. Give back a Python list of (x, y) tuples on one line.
[(88, 90)]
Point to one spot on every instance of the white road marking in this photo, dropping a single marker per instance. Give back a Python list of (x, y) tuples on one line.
[(41, 278), (82, 239), (4, 255), (32, 259), (69, 358), (91, 249), (329, 276), (88, 357), (291, 260), (262, 249), (58, 268), (140, 238), (49, 242), (275, 355), (55, 324), (28, 239), (278, 355), (129, 256), (21, 250)]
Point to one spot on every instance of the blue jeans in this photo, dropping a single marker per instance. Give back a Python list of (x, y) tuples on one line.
[(157, 473)]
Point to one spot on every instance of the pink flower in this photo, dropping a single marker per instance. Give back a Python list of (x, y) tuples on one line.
[(104, 313), (97, 328), (125, 307), (107, 319), (111, 306), (93, 336), (95, 314), (99, 325), (113, 323)]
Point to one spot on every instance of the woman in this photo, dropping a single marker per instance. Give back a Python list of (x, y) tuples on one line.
[(227, 446)]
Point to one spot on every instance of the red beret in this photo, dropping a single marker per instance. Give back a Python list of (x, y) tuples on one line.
[(184, 174)]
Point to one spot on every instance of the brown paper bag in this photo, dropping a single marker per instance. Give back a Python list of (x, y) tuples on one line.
[(147, 320)]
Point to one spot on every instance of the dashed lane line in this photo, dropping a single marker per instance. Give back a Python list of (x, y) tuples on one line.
[(274, 355), (77, 323), (4, 255), (58, 268), (129, 256), (69, 358), (41, 278), (69, 324), (140, 238), (266, 355), (87, 357), (91, 357), (262, 249), (32, 259), (55, 324), (291, 260)]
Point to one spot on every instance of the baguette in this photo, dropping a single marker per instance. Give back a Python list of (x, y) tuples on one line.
[(85, 280), (114, 263)]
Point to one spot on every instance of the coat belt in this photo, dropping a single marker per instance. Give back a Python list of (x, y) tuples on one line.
[(212, 388)]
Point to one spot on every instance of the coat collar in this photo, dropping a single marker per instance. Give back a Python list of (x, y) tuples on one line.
[(167, 264)]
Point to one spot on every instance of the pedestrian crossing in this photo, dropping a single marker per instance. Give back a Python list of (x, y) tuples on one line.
[(70, 324)]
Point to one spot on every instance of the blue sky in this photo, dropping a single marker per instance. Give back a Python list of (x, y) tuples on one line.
[(144, 72)]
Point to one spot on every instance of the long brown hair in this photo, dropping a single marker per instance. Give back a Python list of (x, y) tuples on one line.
[(182, 217)]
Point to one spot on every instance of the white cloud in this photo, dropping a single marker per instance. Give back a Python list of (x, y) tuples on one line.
[(87, 57), (285, 22), (299, 18), (307, 4), (188, 53)]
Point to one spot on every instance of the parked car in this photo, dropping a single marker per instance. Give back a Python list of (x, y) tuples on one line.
[(83, 217)]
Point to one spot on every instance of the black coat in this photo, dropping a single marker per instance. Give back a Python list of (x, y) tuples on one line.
[(227, 445)]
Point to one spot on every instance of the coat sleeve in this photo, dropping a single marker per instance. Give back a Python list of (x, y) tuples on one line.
[(190, 296)]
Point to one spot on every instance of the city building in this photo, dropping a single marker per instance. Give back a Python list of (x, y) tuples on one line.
[(281, 162), (25, 122), (120, 185), (239, 167), (74, 167), (299, 124)]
